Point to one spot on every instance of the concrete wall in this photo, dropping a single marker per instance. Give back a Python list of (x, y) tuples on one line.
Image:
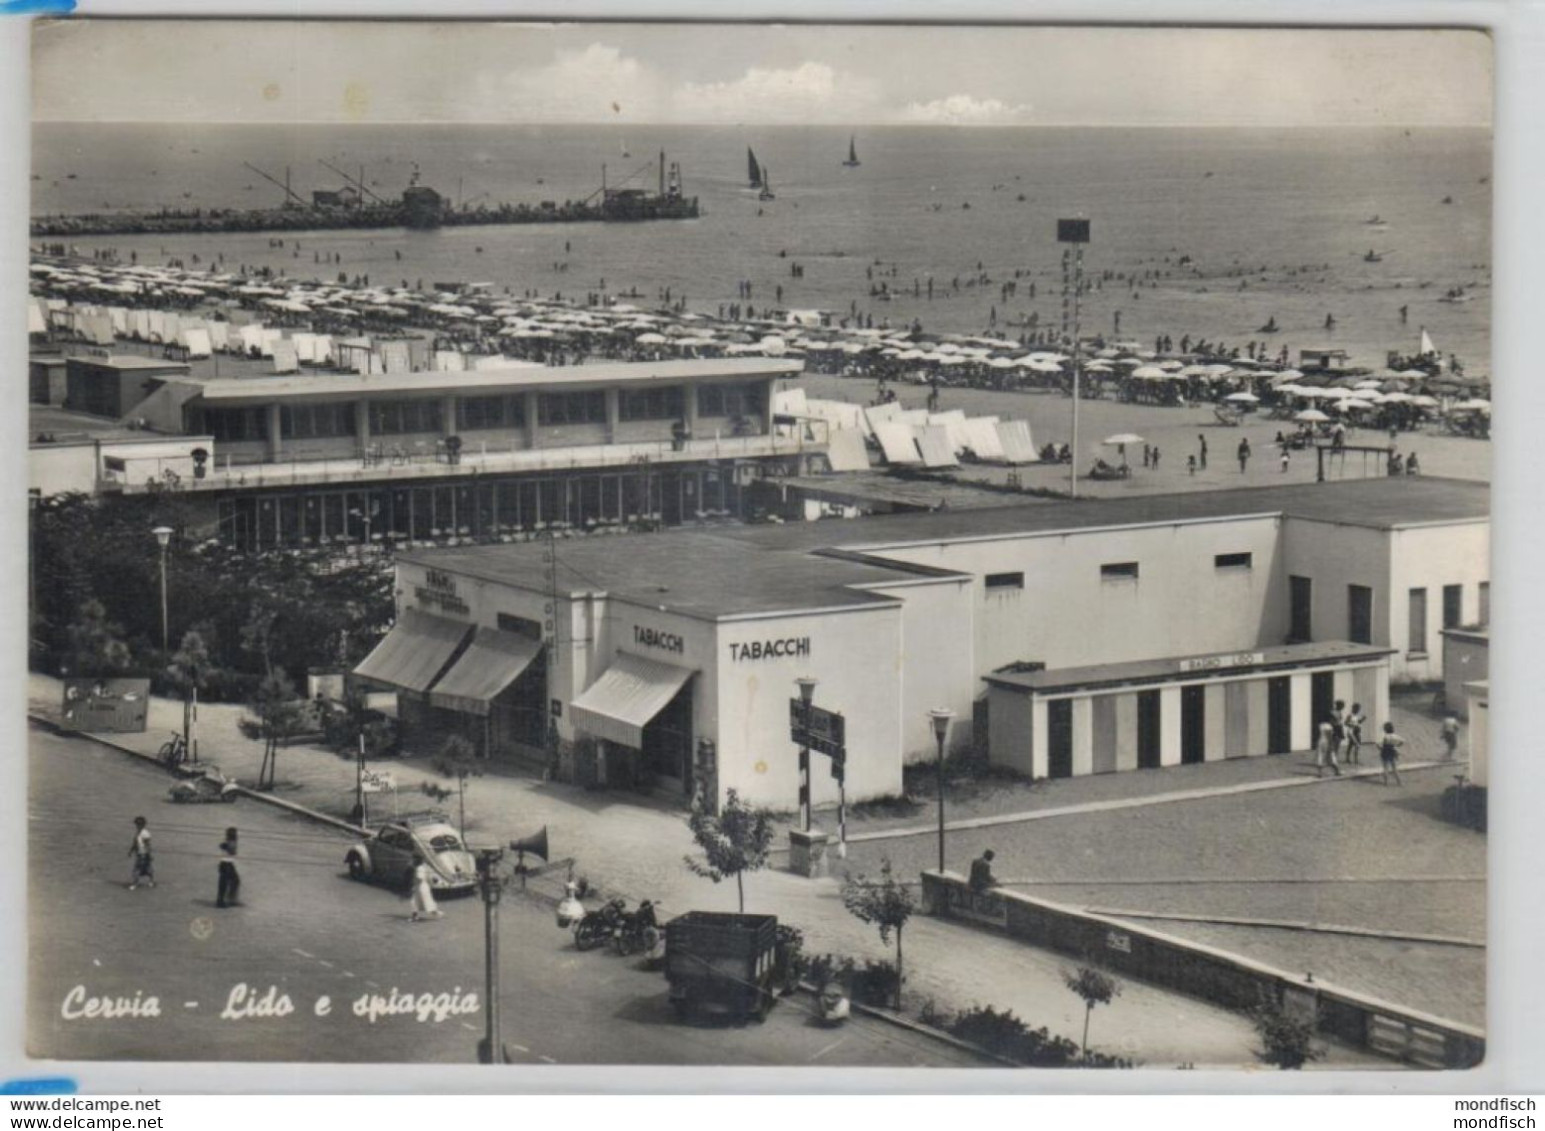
[(1430, 557), (1466, 658), (856, 655), (1334, 556), (1066, 615), (1479, 739), (53, 469), (936, 662)]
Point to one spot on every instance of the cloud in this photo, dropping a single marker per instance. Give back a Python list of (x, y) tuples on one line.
[(808, 93), (590, 84), (965, 110)]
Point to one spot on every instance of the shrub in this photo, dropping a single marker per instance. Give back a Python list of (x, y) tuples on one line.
[(1286, 1041), (1002, 1033)]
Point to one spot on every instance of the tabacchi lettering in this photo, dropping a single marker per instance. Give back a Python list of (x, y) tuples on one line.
[(770, 649), (654, 638)]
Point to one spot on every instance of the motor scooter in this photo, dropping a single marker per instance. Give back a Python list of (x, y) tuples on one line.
[(833, 1004)]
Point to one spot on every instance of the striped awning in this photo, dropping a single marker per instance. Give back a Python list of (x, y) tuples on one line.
[(492, 662), (415, 651), (628, 695)]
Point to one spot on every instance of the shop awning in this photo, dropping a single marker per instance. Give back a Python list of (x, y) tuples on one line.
[(414, 652), (492, 662), (631, 692)]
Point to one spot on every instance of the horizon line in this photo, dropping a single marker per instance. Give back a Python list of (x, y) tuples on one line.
[(771, 125)]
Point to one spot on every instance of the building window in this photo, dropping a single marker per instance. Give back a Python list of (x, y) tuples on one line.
[(1453, 606), (1233, 561), (651, 404), (401, 418), (1300, 603), (1118, 571), (1485, 609), (230, 424), (1004, 581), (1416, 622), (571, 408), (729, 400), (475, 414), (520, 626), (316, 421), (1359, 614)]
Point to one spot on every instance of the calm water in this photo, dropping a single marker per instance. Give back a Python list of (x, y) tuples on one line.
[(1281, 211)]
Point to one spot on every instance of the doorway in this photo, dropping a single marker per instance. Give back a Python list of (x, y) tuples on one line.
[(1059, 738), (1193, 724)]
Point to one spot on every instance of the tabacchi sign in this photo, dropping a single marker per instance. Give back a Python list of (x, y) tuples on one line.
[(654, 638), (770, 649)]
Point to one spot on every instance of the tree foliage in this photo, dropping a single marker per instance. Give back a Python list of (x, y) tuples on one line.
[(94, 644), (1286, 1041), (734, 841), (457, 759), (276, 715), (885, 903)]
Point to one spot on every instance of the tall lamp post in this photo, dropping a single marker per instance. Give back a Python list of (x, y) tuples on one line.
[(807, 687), (1074, 232), (941, 717), (163, 539)]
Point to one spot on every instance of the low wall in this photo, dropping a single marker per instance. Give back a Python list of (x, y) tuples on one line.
[(1214, 975)]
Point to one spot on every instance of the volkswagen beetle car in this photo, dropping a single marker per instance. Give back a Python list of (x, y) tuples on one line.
[(387, 857)]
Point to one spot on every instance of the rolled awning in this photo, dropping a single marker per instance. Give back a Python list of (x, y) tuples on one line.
[(492, 662), (628, 695), (414, 652)]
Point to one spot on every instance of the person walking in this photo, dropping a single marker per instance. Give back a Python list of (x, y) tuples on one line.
[(1286, 459), (230, 880), (142, 868), (1389, 754), (424, 905), (1203, 441), (1244, 454), (1449, 730), (1156, 457), (1353, 724), (1325, 749)]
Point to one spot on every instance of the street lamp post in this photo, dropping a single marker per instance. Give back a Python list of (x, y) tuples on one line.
[(490, 1050), (807, 687), (163, 539), (941, 717)]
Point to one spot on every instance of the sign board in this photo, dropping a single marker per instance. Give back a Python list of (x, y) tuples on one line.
[(1215, 663), (378, 781), (1118, 940), (823, 731), (106, 706), (1072, 231)]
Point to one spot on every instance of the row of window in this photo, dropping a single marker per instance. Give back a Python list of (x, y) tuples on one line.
[(1360, 611), (482, 413), (1116, 571)]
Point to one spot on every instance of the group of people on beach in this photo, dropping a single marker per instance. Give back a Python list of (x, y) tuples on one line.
[(1339, 740)]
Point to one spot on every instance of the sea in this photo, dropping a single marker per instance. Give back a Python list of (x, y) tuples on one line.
[(1207, 233)]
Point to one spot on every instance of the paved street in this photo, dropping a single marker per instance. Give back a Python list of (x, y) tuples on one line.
[(306, 930)]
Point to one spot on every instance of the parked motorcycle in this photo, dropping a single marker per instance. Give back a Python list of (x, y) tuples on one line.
[(638, 932), (599, 925), (209, 785)]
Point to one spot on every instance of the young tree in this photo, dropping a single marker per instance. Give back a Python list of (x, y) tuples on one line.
[(457, 759), (278, 715), (887, 904), (189, 671), (1287, 1041), (1095, 988), (734, 842)]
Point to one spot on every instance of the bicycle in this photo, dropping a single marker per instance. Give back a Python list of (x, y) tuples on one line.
[(174, 752)]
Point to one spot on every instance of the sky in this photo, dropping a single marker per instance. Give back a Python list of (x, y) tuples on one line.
[(293, 71)]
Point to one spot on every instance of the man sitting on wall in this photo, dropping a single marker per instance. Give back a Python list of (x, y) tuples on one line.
[(981, 872)]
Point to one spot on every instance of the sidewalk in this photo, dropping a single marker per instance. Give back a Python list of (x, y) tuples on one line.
[(632, 845)]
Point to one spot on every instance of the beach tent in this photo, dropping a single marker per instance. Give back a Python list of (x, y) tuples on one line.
[(916, 417), (305, 346), (36, 323), (1018, 446), (982, 441), (394, 357), (898, 443), (197, 342), (120, 318), (285, 359), (846, 450), (933, 441), (953, 422), (252, 337), (789, 402), (322, 352), (876, 414), (449, 361)]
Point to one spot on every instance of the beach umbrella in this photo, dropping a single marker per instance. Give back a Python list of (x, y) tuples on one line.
[(1193, 371), (1423, 401), (1243, 398), (946, 347), (1122, 438), (1367, 384), (1171, 365), (650, 339), (1217, 369), (1311, 416), (1099, 367), (1475, 404), (1352, 404), (1397, 398), (1149, 373), (1000, 363), (1412, 374)]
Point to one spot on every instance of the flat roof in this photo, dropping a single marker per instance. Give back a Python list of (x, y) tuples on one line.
[(1191, 667), (350, 385), (698, 573), (128, 361), (736, 570), (1384, 502)]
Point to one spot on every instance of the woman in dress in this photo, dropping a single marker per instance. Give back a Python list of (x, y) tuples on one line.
[(424, 906)]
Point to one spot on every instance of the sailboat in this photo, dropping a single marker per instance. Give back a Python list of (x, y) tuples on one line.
[(852, 161), (767, 192), (755, 171), (625, 152)]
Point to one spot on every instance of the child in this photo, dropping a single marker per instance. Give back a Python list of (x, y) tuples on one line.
[(1191, 464), (1389, 754), (1450, 732), (1354, 729), (1286, 459)]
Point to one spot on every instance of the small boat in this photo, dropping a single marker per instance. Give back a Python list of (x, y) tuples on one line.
[(852, 161), (1448, 200), (69, 176), (755, 170), (1270, 327), (1373, 257), (767, 192), (625, 152), (1376, 221)]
